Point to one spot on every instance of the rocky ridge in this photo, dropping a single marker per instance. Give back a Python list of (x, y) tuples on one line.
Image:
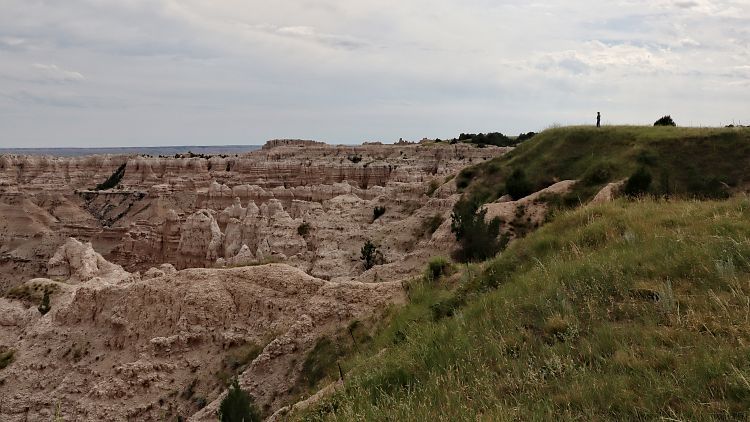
[(118, 346), (160, 211)]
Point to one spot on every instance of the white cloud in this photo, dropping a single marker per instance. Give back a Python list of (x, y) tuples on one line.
[(55, 73)]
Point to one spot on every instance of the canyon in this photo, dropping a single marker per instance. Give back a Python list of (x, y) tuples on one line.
[(157, 269)]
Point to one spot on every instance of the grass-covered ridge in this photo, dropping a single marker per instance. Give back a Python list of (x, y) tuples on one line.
[(627, 310), (695, 162)]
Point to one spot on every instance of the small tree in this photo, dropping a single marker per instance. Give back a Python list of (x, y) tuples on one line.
[(517, 185), (665, 121), (478, 239), (303, 229), (377, 212), (638, 183), (436, 268), (44, 307), (237, 406), (371, 255)]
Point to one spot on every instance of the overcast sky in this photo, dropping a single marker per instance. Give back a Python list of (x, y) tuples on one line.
[(207, 72)]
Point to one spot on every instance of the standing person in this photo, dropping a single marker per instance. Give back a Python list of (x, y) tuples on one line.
[(598, 119)]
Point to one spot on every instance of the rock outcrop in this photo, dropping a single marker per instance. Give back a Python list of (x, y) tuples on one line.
[(79, 262), (158, 212), (113, 349)]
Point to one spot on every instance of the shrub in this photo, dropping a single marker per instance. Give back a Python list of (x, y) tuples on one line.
[(434, 185), (638, 183), (44, 307), (113, 180), (525, 136), (492, 138), (354, 158), (303, 229), (237, 406), (436, 268), (597, 174), (431, 224), (319, 362), (708, 188), (665, 121), (6, 357), (478, 240), (517, 186), (371, 255), (200, 402), (377, 212)]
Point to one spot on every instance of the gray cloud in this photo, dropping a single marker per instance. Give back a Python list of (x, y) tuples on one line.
[(85, 72)]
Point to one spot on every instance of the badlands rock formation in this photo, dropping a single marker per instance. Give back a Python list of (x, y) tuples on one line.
[(117, 347), (155, 283), (162, 209)]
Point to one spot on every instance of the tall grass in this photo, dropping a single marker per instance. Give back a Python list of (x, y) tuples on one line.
[(623, 311), (685, 162)]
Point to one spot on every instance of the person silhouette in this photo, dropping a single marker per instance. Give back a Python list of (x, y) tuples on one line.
[(598, 119)]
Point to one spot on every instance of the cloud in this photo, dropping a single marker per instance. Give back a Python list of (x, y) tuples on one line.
[(55, 73), (311, 34), (239, 71)]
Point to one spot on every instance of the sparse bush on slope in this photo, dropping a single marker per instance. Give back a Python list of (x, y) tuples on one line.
[(622, 311), (44, 306), (477, 239), (237, 406), (377, 212), (6, 357), (517, 185), (638, 183), (371, 255)]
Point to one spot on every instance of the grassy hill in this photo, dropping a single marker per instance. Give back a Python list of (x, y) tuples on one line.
[(694, 162), (634, 309), (628, 310)]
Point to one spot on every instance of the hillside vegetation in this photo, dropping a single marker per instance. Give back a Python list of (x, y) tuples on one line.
[(692, 162), (618, 311), (637, 309)]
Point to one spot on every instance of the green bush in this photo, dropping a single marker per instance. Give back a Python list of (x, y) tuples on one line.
[(436, 268), (237, 406), (598, 174), (44, 307), (492, 138), (371, 255), (478, 240), (319, 362), (708, 188), (465, 176), (377, 212), (665, 121), (517, 185), (303, 229), (6, 357), (638, 183)]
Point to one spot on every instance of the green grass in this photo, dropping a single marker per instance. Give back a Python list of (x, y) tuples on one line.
[(237, 359), (683, 161), (622, 311)]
